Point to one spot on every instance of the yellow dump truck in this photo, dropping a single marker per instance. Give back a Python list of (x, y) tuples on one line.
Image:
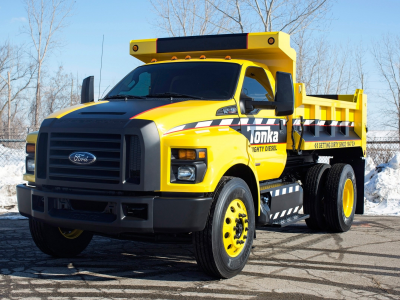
[(209, 139)]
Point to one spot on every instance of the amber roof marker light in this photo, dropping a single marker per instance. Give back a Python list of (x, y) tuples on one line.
[(135, 48), (174, 58), (271, 41), (202, 57)]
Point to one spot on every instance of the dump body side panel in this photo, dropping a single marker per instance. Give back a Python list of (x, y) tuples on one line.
[(329, 124)]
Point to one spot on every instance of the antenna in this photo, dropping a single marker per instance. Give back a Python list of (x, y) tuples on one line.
[(101, 63)]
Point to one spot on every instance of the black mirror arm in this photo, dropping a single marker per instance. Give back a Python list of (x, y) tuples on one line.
[(264, 104)]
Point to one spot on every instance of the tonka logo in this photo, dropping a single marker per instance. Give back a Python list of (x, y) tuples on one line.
[(262, 135), (82, 158)]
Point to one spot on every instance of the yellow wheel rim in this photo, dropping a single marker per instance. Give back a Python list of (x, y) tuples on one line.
[(348, 198), (70, 234), (235, 228)]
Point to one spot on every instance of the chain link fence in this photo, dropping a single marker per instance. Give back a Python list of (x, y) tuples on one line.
[(12, 147), (382, 149)]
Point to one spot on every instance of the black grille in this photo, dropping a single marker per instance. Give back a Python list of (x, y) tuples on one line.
[(106, 148), (135, 159), (41, 158)]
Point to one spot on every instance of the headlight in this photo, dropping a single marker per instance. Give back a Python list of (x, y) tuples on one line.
[(30, 158), (188, 165), (187, 173), (30, 165)]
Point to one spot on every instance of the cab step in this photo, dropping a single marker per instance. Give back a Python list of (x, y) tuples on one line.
[(280, 203), (289, 220)]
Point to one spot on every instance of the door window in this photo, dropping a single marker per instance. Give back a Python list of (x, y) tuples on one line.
[(256, 85)]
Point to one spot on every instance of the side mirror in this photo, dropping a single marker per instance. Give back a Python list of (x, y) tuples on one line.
[(87, 93), (284, 94)]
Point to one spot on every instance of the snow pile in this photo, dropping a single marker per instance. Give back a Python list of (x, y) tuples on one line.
[(382, 187), (12, 167)]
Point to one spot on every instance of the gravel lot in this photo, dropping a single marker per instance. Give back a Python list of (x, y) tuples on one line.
[(286, 263)]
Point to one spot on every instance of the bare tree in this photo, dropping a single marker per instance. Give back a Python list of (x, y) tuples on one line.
[(194, 17), (16, 74), (59, 92), (187, 17), (360, 62), (45, 18), (387, 58)]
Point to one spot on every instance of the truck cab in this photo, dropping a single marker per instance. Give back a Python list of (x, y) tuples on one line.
[(209, 139)]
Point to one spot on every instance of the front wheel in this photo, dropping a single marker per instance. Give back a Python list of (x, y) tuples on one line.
[(58, 242), (223, 247)]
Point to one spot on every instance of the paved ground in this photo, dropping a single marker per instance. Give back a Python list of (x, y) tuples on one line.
[(288, 263)]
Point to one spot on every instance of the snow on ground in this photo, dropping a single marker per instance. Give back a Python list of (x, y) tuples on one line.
[(382, 184), (11, 169), (382, 187)]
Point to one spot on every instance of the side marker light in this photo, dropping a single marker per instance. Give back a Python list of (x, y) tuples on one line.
[(202, 154), (174, 58), (135, 48), (202, 57), (188, 57), (154, 60), (228, 57)]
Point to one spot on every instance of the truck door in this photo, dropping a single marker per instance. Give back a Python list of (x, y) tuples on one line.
[(266, 133)]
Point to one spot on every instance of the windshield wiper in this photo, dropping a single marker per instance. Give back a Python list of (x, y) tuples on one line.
[(124, 97), (172, 95)]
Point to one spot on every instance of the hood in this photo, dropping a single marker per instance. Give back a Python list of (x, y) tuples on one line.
[(163, 112)]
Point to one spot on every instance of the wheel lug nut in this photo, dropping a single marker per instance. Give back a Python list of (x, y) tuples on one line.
[(245, 237), (246, 229), (237, 220), (238, 242), (235, 228), (246, 221)]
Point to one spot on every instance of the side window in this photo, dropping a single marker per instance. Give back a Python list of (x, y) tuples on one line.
[(256, 85), (139, 86)]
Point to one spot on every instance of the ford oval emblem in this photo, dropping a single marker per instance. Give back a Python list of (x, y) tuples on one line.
[(82, 158)]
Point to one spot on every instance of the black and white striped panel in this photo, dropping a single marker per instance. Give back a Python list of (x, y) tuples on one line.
[(296, 122), (228, 122), (286, 213)]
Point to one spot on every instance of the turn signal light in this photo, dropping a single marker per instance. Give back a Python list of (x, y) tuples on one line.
[(187, 154), (30, 148), (202, 154)]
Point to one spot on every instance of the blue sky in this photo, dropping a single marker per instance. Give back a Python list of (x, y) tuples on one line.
[(123, 20)]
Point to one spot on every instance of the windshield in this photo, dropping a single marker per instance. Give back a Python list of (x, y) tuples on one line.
[(197, 80)]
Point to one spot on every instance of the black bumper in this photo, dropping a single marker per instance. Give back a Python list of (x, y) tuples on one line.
[(158, 215)]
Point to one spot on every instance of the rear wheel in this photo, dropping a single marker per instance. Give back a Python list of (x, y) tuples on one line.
[(223, 247), (59, 242), (314, 185), (340, 197)]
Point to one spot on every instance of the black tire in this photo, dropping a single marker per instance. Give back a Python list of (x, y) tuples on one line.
[(313, 200), (51, 242), (334, 212), (210, 252)]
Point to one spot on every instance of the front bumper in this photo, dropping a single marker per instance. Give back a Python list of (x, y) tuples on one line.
[(157, 215)]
